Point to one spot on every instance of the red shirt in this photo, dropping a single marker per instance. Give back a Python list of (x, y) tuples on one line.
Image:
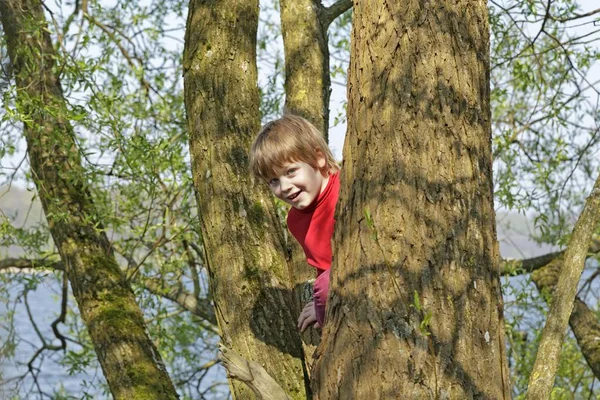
[(313, 226)]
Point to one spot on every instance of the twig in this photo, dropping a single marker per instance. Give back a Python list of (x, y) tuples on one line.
[(329, 14), (577, 16)]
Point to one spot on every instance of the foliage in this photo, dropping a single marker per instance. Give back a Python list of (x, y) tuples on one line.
[(120, 70), (544, 111)]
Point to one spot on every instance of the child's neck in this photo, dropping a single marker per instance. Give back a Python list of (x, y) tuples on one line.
[(325, 182)]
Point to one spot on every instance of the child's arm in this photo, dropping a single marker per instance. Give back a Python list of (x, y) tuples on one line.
[(308, 317)]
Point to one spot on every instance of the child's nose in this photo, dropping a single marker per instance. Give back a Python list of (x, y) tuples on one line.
[(285, 184)]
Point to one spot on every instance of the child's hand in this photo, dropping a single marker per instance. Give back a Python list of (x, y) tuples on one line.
[(308, 317)]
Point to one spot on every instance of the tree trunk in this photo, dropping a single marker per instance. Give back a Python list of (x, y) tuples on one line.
[(129, 360), (307, 90), (542, 376), (246, 257), (307, 82), (415, 308)]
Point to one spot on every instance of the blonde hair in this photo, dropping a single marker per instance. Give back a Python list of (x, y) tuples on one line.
[(289, 139)]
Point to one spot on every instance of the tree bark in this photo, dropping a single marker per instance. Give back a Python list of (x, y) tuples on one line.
[(130, 362), (415, 308), (246, 256), (307, 82), (252, 375), (542, 376)]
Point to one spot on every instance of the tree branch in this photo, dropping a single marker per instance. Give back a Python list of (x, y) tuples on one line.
[(577, 16), (19, 264), (329, 14), (193, 270), (546, 363), (187, 301), (252, 374), (583, 321), (130, 59), (528, 265)]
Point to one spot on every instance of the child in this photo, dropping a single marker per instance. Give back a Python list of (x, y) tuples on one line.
[(291, 155)]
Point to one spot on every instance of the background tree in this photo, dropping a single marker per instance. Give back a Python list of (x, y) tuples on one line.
[(121, 77), (130, 361)]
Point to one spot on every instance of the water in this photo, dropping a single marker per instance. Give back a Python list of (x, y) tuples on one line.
[(54, 378), (44, 307)]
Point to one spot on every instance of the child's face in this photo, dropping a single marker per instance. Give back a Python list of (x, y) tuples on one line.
[(299, 184)]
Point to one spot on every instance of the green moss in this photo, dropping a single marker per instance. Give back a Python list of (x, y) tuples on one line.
[(236, 205), (277, 269), (238, 157), (120, 319), (145, 383), (116, 311), (252, 276), (257, 215)]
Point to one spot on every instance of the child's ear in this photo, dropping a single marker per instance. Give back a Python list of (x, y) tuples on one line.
[(321, 159)]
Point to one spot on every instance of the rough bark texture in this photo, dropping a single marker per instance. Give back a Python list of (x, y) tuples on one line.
[(246, 256), (542, 376), (307, 82), (583, 321), (415, 308), (129, 360)]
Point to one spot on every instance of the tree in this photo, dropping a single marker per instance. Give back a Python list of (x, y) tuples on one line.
[(416, 299), (246, 254), (542, 377), (130, 361), (128, 124)]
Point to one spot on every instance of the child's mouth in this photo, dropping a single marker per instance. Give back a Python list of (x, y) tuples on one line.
[(292, 197)]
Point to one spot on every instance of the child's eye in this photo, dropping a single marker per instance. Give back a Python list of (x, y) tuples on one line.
[(291, 171), (273, 181)]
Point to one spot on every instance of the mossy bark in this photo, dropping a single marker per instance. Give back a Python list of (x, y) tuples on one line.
[(129, 360), (415, 308), (307, 82), (246, 255), (583, 321)]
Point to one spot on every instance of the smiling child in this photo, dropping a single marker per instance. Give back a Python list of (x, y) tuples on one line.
[(292, 157)]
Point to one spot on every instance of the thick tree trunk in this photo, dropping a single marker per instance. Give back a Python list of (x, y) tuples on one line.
[(307, 82), (129, 360), (415, 308), (246, 257)]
